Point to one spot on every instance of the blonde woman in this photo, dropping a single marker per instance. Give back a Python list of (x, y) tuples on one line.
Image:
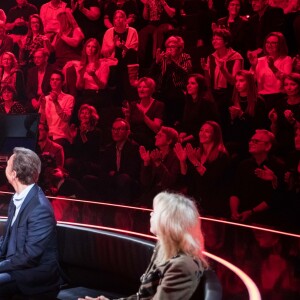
[(178, 262)]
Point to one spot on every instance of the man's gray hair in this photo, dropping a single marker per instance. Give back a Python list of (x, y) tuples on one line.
[(27, 165)]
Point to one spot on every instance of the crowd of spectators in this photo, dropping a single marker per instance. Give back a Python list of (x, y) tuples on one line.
[(140, 96)]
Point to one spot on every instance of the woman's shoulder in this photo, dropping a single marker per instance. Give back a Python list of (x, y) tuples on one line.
[(186, 263)]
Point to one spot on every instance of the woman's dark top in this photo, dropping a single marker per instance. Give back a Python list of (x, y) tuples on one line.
[(16, 108), (196, 113), (140, 132), (285, 131), (210, 189)]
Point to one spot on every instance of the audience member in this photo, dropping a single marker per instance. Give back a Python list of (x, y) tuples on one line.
[(145, 117), (118, 177), (206, 172), (38, 79), (56, 110), (266, 19), (17, 19), (220, 70), (121, 42), (6, 42), (48, 147), (29, 260), (160, 169), (2, 17), (87, 14), (255, 181), (128, 6), (199, 107), (92, 74), (10, 73), (68, 41), (237, 25), (161, 16), (247, 114), (10, 105), (178, 253), (34, 40), (270, 69), (170, 70), (286, 115), (86, 141), (48, 14)]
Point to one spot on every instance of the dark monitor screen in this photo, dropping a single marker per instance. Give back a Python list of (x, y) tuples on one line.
[(18, 131)]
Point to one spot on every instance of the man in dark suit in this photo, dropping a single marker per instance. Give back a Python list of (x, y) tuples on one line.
[(38, 79), (28, 249), (118, 179)]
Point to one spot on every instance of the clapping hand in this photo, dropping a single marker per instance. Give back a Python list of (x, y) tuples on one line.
[(265, 173), (289, 115), (204, 64), (273, 115), (145, 155), (180, 152), (156, 157), (192, 154), (159, 55), (252, 56), (235, 112)]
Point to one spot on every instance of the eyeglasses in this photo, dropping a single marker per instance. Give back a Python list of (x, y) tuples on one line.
[(272, 43), (118, 129), (255, 141)]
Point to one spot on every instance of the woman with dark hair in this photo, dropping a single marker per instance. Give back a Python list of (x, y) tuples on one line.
[(220, 70), (271, 68), (6, 42), (11, 74), (199, 107), (237, 25), (86, 143), (67, 42), (145, 116), (9, 104), (206, 169), (285, 117), (178, 261), (34, 40), (247, 113)]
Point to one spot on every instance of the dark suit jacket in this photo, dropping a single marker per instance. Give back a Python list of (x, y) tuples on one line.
[(30, 253), (130, 160), (32, 82)]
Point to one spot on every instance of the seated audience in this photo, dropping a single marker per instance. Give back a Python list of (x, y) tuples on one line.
[(10, 105), (160, 169), (56, 109), (121, 42), (270, 68), (86, 141), (17, 19), (206, 170), (255, 181), (10, 73), (87, 14), (34, 40), (67, 42), (286, 115), (48, 14), (170, 70), (38, 79), (118, 178), (199, 107), (247, 114), (46, 147), (220, 70), (178, 262), (145, 116), (6, 42)]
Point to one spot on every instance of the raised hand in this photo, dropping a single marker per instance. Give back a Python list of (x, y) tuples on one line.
[(252, 56), (273, 115), (204, 64), (156, 157), (145, 155), (180, 152), (191, 154)]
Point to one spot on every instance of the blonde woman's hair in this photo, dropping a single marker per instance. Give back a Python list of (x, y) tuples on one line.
[(178, 227)]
